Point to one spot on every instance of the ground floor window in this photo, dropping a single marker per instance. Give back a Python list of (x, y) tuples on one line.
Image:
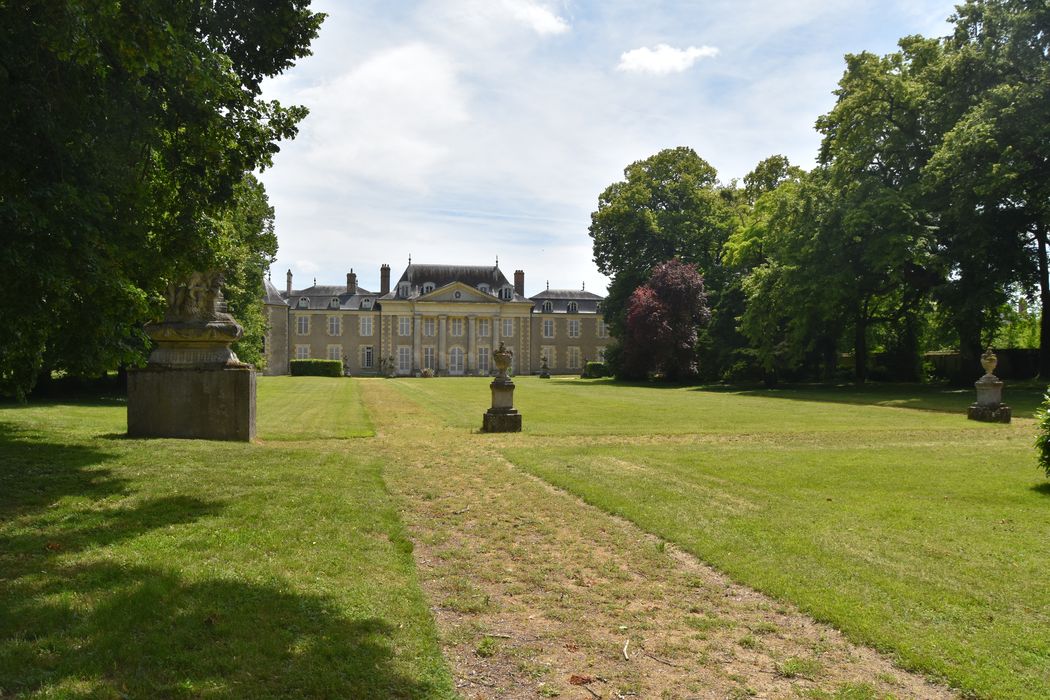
[(367, 357), (428, 357), (335, 352), (483, 360), (455, 361), (404, 358), (547, 352), (302, 352), (574, 358)]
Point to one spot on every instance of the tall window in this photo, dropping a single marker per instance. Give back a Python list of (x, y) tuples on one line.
[(603, 332), (574, 327), (508, 327), (302, 352), (428, 357), (483, 328), (367, 356), (335, 327), (335, 352), (549, 352), (428, 327), (548, 307), (455, 360), (574, 358), (483, 360), (506, 293), (404, 358), (365, 328), (548, 328), (404, 326), (573, 307), (302, 325), (457, 327)]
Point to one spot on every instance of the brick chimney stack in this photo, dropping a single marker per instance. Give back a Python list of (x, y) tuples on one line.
[(384, 280), (288, 286), (351, 282), (519, 283)]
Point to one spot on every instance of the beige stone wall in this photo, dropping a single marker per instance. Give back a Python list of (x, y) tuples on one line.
[(276, 350), (576, 339)]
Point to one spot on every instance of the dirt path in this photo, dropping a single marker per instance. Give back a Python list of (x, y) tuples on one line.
[(537, 594)]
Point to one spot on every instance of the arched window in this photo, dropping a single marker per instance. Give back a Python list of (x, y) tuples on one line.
[(428, 287), (547, 307), (483, 288), (334, 303), (366, 303), (303, 302), (598, 306), (455, 360), (573, 307)]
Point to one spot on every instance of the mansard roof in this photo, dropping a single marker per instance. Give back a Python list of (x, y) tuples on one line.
[(559, 299), (416, 275), (319, 297)]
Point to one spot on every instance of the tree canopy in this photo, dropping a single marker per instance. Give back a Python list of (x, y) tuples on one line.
[(130, 132)]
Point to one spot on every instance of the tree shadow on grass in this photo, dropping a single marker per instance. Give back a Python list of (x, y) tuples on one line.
[(1043, 488)]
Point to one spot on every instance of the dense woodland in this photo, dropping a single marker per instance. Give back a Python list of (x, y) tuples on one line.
[(923, 227)]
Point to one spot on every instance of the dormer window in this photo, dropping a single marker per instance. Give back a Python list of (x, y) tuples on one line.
[(366, 303), (484, 288), (428, 287), (303, 302), (404, 289), (547, 307), (334, 303), (598, 307), (506, 293), (573, 307)]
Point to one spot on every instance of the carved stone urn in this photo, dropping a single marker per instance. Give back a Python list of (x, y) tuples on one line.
[(545, 370), (989, 406), (502, 417), (196, 330)]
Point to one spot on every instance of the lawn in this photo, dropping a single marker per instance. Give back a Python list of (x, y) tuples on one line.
[(176, 568), (914, 531)]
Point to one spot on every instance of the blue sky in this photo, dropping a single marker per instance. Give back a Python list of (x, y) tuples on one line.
[(456, 131)]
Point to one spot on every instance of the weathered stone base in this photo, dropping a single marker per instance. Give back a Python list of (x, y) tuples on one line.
[(208, 404), (989, 414), (501, 422)]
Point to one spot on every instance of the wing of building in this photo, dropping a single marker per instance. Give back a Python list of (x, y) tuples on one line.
[(445, 318)]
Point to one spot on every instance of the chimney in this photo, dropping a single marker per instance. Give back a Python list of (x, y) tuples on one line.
[(519, 283), (288, 287), (351, 282), (384, 280)]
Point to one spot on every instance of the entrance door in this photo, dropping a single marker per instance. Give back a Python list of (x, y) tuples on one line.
[(455, 361)]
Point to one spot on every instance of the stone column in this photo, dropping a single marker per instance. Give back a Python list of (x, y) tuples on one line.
[(442, 323), (417, 345), (471, 346)]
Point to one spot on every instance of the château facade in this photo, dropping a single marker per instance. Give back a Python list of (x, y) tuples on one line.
[(445, 318)]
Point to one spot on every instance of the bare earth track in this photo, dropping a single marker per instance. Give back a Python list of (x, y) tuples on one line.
[(538, 594)]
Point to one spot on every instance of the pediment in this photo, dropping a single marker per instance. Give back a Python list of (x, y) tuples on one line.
[(457, 292)]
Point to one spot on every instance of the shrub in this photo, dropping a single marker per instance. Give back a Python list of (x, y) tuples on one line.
[(1042, 440), (594, 370), (427, 372), (317, 368)]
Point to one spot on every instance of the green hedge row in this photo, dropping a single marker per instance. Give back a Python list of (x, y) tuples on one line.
[(594, 370), (317, 368)]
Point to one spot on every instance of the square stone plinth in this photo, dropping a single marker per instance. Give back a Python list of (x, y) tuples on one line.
[(495, 421), (989, 414), (207, 404)]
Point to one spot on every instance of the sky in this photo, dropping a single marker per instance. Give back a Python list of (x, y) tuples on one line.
[(466, 131)]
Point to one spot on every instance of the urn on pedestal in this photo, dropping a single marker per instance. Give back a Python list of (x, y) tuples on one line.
[(502, 417), (989, 406)]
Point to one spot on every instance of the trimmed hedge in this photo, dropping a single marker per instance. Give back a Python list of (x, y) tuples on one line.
[(594, 370), (317, 368)]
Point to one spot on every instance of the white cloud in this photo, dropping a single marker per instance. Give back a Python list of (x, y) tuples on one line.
[(537, 17), (663, 59)]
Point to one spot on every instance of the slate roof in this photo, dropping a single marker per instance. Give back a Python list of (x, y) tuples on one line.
[(272, 296), (319, 297), (586, 302), (442, 275)]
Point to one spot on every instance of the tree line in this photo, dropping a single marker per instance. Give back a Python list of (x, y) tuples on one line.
[(924, 221)]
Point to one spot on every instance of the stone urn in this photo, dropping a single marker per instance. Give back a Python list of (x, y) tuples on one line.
[(989, 406), (545, 371), (502, 417)]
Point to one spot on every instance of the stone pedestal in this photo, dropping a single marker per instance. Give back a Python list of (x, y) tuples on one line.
[(208, 404), (193, 385), (502, 417), (989, 406)]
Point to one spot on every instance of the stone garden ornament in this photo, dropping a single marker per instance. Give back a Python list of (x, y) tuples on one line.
[(502, 417), (989, 406)]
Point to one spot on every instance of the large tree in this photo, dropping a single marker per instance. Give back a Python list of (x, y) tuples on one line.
[(128, 129)]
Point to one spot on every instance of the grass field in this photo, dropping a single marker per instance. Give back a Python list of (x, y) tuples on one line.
[(171, 568), (166, 568), (915, 531)]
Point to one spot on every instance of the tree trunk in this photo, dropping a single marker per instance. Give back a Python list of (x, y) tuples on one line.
[(1044, 300), (860, 347)]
